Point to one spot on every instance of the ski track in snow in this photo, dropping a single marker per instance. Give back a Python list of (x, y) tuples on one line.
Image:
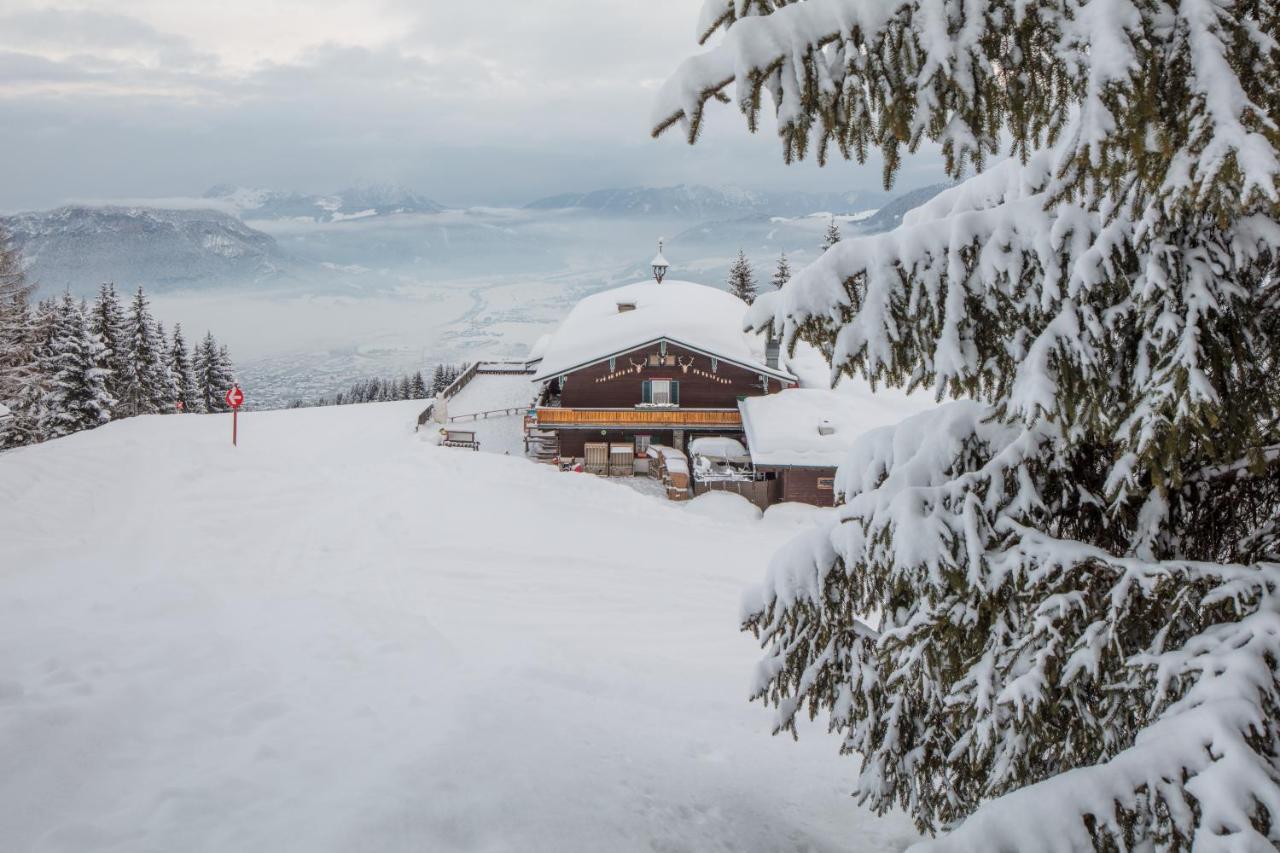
[(339, 637)]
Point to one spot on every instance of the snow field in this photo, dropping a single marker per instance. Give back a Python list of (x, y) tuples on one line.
[(338, 637)]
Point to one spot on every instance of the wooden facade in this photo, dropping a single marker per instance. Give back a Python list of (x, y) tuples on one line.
[(814, 486), (705, 382), (618, 398)]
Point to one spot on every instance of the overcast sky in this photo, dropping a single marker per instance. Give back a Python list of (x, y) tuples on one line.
[(493, 102)]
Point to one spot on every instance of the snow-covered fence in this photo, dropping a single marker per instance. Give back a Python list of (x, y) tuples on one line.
[(491, 413), (450, 390), (502, 367), (461, 382)]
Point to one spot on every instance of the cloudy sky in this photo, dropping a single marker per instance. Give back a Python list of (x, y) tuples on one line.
[(493, 102)]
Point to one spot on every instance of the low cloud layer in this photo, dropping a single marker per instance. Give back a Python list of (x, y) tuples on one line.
[(494, 103)]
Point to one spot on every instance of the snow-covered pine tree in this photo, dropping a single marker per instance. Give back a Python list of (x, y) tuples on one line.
[(34, 404), (832, 235), (212, 377), (164, 374), (144, 387), (742, 280), (106, 320), (19, 368), (417, 386), (782, 274), (77, 396), (226, 365), (1078, 568), (182, 372), (438, 381)]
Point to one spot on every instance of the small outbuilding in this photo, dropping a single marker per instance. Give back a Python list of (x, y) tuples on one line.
[(799, 436)]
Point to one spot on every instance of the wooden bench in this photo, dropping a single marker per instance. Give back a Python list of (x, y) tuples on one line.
[(460, 438)]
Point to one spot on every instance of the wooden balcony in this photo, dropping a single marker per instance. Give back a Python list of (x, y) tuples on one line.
[(553, 417)]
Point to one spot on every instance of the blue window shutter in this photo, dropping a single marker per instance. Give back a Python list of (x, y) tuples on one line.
[(675, 393), (646, 391)]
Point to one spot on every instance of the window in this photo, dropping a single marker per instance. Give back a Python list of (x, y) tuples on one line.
[(642, 444), (660, 392), (826, 484)]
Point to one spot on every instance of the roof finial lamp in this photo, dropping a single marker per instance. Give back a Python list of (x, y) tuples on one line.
[(659, 264)]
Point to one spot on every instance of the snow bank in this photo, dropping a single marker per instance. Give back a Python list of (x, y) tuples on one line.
[(723, 506), (336, 637), (792, 515)]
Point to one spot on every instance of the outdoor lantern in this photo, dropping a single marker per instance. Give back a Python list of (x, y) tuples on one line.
[(659, 264)]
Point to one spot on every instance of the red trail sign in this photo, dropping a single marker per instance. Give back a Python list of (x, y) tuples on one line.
[(234, 398)]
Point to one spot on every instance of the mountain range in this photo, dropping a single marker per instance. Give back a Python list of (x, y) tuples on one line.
[(379, 237), (79, 247), (697, 202), (353, 203)]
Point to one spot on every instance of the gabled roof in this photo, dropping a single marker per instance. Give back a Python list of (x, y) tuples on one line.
[(694, 316)]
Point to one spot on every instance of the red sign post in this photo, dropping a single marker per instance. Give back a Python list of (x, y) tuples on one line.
[(235, 399)]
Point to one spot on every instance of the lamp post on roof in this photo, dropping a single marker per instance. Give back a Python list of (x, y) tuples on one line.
[(659, 264)]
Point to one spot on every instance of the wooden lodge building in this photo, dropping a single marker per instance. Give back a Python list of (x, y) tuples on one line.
[(634, 375), (653, 363)]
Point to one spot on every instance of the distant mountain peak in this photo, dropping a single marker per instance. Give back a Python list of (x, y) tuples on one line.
[(80, 246)]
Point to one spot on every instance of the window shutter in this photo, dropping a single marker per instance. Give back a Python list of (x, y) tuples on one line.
[(646, 391), (675, 393)]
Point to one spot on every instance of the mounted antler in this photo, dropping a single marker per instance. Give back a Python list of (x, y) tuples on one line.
[(635, 368), (685, 367)]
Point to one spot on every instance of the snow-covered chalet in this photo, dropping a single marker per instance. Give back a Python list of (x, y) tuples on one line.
[(652, 363)]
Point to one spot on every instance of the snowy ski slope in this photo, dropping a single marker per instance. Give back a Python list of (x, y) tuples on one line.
[(340, 638)]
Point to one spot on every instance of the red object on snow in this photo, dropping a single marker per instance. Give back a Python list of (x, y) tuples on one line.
[(235, 397)]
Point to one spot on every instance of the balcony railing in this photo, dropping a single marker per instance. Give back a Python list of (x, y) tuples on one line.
[(550, 417)]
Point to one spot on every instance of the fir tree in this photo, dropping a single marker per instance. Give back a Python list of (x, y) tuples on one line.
[(742, 280), (1078, 567), (165, 380), (832, 235), (783, 273), (77, 398), (106, 321), (20, 376), (145, 386), (34, 405), (417, 387), (213, 377), (438, 380), (183, 372)]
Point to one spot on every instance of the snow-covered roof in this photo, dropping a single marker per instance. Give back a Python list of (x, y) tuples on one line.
[(719, 447), (692, 315), (659, 261), (812, 427)]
